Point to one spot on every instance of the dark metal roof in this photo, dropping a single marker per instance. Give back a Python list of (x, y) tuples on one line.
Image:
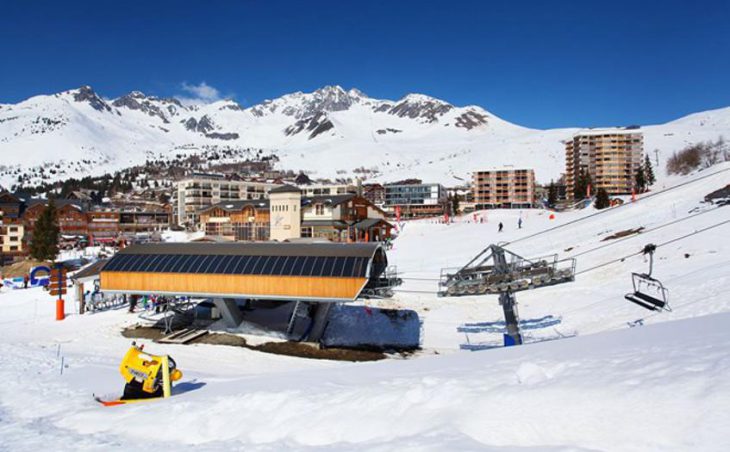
[(330, 200), (90, 270), (59, 202), (256, 249), (286, 189), (256, 259), (235, 206), (332, 223), (370, 222)]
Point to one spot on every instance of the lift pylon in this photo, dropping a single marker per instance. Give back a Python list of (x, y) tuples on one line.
[(496, 270)]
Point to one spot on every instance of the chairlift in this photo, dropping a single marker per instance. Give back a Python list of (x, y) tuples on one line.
[(649, 292)]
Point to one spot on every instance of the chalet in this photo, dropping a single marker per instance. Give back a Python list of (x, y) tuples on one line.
[(103, 226), (71, 217), (287, 216), (237, 220)]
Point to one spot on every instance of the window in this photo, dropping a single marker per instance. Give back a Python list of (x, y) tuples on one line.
[(319, 209)]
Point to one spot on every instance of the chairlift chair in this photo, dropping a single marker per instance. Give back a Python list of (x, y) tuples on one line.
[(649, 292)]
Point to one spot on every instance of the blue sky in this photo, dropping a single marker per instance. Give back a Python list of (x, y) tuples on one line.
[(536, 63)]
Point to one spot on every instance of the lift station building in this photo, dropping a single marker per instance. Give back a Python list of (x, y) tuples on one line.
[(312, 272)]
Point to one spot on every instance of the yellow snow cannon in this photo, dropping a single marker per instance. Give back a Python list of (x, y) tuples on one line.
[(148, 376)]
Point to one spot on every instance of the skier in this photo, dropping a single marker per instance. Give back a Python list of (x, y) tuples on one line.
[(500, 226), (519, 223), (132, 303)]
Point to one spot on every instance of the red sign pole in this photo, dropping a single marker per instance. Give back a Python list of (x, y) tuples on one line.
[(60, 308)]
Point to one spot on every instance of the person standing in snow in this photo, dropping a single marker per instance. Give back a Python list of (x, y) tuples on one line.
[(26, 278), (132, 303), (519, 223), (500, 226)]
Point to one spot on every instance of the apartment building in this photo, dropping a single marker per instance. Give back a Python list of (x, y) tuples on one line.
[(610, 156), (326, 189), (375, 193), (505, 188), (11, 240), (11, 226), (103, 226), (416, 199), (202, 190)]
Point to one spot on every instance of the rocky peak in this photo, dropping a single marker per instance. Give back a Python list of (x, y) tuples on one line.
[(153, 106), (87, 94), (328, 99), (229, 104), (420, 106), (204, 125)]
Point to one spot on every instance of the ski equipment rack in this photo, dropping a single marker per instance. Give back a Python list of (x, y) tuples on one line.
[(649, 292)]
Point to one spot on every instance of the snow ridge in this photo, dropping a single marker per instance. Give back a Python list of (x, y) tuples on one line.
[(330, 132)]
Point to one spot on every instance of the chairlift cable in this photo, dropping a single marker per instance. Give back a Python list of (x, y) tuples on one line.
[(613, 297), (633, 236), (612, 209), (613, 261)]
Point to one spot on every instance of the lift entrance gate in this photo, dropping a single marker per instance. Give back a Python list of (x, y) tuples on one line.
[(496, 270)]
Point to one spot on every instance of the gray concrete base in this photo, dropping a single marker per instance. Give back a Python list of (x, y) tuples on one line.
[(320, 318), (229, 311)]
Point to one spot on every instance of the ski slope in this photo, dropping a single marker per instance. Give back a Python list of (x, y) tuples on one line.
[(601, 386), (697, 284)]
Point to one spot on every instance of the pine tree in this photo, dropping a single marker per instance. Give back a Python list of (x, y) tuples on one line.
[(455, 204), (640, 179), (552, 194), (579, 190), (602, 199), (649, 171), (44, 246), (588, 183)]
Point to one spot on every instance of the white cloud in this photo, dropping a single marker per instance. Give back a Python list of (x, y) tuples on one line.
[(199, 94)]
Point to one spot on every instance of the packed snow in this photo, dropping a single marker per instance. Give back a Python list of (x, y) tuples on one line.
[(587, 382)]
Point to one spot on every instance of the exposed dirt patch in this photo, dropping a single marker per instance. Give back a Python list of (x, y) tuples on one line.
[(623, 233), (304, 350), (21, 268), (297, 349), (221, 339), (142, 332)]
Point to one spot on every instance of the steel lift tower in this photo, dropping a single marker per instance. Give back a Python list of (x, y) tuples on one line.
[(495, 270)]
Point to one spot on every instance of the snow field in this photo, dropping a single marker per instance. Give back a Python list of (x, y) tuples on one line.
[(603, 386)]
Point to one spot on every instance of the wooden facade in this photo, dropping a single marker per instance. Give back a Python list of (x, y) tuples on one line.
[(237, 221), (325, 272), (246, 286)]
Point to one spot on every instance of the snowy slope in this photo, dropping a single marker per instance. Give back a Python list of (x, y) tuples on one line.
[(329, 132), (602, 386), (694, 269)]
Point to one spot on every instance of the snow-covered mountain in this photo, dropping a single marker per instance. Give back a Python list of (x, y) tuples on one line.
[(329, 132)]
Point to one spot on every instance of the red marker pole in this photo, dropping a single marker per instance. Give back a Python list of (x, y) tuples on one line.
[(60, 307)]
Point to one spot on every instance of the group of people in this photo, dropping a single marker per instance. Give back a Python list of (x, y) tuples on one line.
[(519, 225)]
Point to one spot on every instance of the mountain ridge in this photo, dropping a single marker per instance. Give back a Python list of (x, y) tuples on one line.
[(330, 132)]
